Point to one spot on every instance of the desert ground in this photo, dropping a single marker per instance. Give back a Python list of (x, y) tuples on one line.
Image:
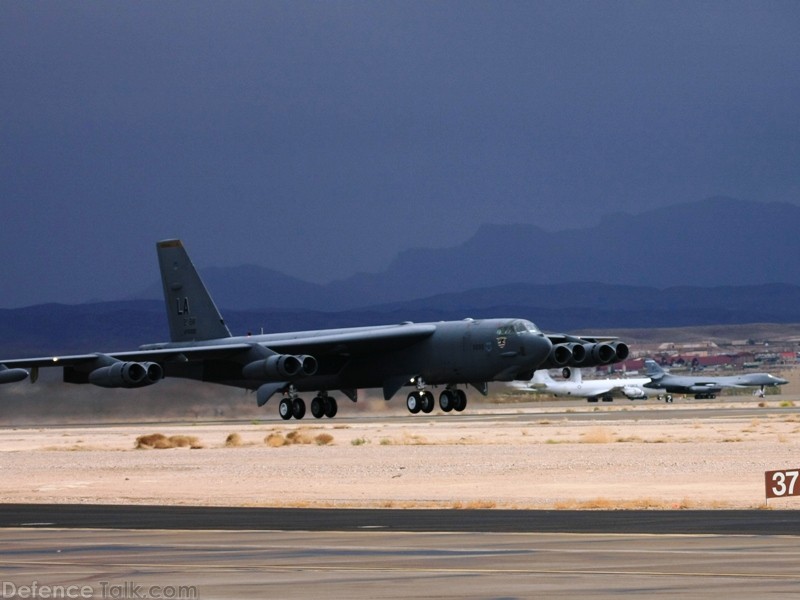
[(546, 454)]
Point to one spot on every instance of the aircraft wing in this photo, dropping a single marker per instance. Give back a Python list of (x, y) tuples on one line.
[(563, 338), (215, 351), (612, 388), (379, 339), (360, 342), (701, 386)]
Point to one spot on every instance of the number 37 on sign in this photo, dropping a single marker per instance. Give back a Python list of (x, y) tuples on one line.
[(780, 484)]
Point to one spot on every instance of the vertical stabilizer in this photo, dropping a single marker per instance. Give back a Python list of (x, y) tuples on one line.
[(653, 369), (191, 312)]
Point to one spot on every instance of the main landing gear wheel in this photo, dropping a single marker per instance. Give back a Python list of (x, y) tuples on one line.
[(318, 407), (331, 408), (285, 409), (298, 408), (447, 400), (324, 406), (426, 402), (413, 403), (461, 400)]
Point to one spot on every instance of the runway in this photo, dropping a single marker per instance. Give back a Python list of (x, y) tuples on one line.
[(192, 518), (189, 552)]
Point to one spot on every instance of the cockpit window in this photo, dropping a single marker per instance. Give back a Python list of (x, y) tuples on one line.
[(519, 326), (523, 326)]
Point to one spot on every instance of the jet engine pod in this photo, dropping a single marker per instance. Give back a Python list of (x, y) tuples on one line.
[(308, 364), (604, 353), (560, 355), (281, 367), (622, 351), (601, 353), (126, 375), (596, 354), (578, 354), (633, 392)]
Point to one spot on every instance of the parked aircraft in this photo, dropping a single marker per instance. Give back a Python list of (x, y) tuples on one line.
[(705, 387), (591, 389), (448, 353)]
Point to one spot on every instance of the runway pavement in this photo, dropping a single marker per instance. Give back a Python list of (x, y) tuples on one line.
[(132, 552), (109, 516)]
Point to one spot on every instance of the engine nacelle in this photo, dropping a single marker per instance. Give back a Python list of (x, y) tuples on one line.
[(606, 353), (281, 367), (633, 392), (587, 354), (578, 355), (560, 355), (622, 351), (126, 375)]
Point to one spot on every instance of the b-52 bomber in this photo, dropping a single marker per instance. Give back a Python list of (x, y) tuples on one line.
[(448, 354)]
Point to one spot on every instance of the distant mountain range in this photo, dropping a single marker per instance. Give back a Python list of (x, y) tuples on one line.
[(112, 326), (720, 261), (716, 242)]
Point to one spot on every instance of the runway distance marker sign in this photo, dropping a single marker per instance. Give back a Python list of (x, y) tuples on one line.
[(781, 484)]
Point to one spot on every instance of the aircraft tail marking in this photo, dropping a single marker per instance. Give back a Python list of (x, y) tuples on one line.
[(653, 369), (191, 312)]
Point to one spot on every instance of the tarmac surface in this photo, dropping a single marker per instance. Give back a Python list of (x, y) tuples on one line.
[(192, 518), (198, 552)]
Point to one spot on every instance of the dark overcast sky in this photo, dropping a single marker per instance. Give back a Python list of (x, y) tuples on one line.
[(320, 138)]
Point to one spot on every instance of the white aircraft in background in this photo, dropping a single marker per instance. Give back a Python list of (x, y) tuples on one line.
[(593, 390)]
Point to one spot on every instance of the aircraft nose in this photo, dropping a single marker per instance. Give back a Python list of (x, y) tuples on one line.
[(537, 348)]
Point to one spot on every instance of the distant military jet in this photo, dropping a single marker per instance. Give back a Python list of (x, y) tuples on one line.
[(449, 354), (591, 389), (705, 387)]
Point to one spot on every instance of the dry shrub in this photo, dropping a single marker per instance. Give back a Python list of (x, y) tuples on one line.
[(474, 505), (601, 503), (158, 441), (413, 439), (183, 441), (153, 440), (597, 435), (299, 436), (634, 439), (323, 439), (234, 440), (275, 440)]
